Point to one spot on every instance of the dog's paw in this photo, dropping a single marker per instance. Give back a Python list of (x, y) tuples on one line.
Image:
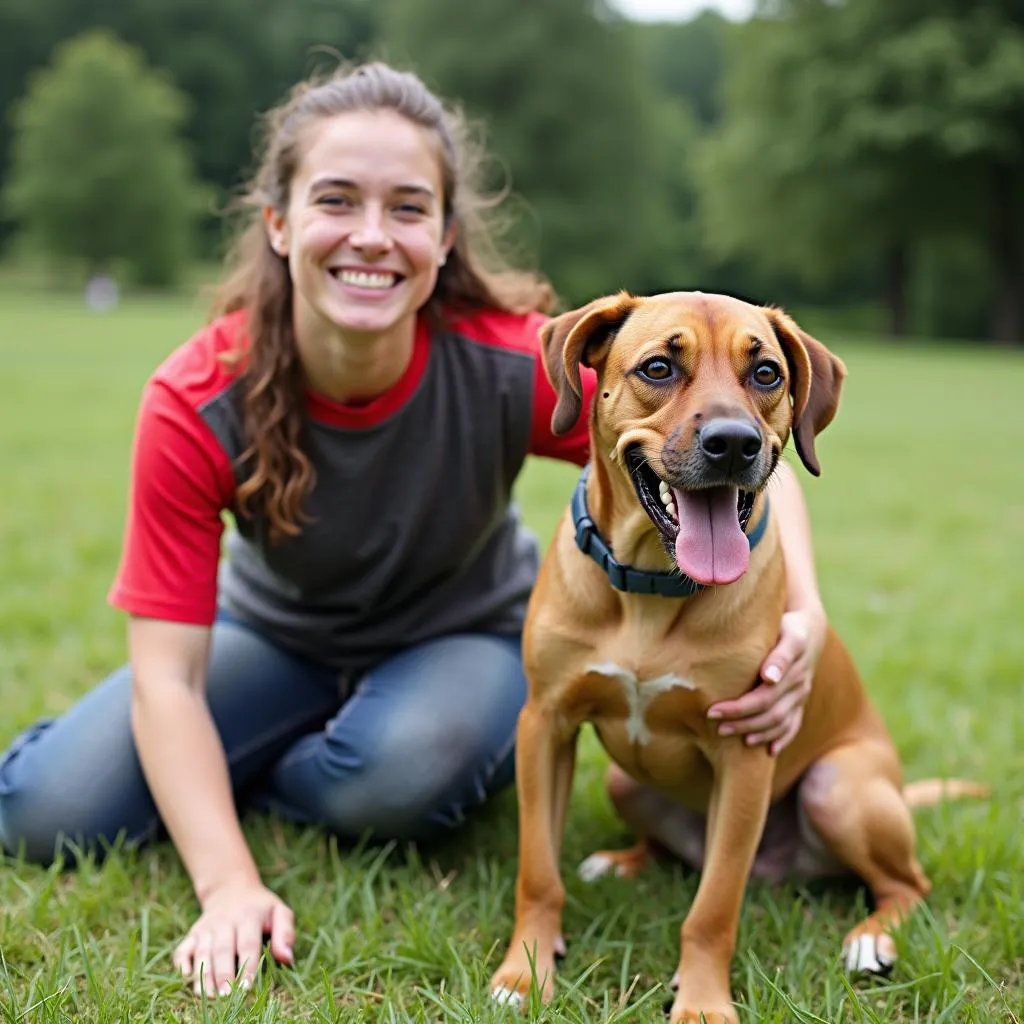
[(596, 866), (866, 953), (620, 863), (512, 981), (722, 1014), (507, 996)]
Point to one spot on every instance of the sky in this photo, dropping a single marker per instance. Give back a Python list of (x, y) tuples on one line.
[(680, 10)]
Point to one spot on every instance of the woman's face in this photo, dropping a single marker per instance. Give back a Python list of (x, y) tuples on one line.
[(363, 231)]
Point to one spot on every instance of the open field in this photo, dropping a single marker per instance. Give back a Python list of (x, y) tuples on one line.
[(919, 530)]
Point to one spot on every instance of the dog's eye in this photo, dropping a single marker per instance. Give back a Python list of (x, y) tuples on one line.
[(767, 375), (656, 369)]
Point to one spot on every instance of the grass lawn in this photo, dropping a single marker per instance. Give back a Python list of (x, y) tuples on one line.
[(919, 530)]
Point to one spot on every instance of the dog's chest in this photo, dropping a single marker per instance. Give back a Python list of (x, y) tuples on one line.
[(629, 697)]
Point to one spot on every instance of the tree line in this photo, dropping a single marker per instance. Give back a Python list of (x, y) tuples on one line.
[(863, 155)]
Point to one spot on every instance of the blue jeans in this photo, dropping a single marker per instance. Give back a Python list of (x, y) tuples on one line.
[(404, 751)]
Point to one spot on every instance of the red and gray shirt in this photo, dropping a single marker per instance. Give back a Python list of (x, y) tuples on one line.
[(412, 532)]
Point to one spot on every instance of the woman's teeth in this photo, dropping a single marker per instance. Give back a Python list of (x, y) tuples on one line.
[(365, 279), (666, 498)]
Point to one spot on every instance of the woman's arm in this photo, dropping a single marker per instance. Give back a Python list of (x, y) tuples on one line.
[(183, 760), (772, 713)]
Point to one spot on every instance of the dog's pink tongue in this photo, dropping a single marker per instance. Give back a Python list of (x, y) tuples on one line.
[(711, 547)]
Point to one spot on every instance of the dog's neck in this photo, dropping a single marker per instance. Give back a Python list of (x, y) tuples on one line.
[(621, 520)]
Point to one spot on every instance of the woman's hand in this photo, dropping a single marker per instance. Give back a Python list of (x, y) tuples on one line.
[(226, 942), (773, 711)]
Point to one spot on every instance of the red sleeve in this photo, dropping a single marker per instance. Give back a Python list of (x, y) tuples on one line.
[(571, 447), (181, 480)]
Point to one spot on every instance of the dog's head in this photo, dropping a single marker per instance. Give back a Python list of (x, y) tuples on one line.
[(696, 398)]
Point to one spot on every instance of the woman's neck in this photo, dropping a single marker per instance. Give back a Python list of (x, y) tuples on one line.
[(355, 368)]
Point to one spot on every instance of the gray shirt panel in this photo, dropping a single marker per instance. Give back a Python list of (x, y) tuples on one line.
[(412, 534)]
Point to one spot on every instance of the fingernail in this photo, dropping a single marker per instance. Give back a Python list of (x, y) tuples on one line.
[(725, 730), (773, 673), (225, 989), (714, 714), (245, 984)]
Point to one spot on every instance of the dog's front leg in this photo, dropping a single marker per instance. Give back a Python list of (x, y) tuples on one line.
[(739, 806), (545, 759)]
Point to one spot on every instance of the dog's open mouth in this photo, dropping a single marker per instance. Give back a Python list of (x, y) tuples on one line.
[(703, 529)]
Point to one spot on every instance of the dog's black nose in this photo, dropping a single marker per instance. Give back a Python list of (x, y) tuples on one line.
[(730, 445)]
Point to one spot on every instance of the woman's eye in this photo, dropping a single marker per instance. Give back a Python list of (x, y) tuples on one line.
[(413, 209), (341, 201), (767, 375), (657, 369)]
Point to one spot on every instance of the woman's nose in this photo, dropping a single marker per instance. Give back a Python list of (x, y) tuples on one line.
[(370, 233)]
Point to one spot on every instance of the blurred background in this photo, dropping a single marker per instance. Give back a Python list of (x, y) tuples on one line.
[(859, 161)]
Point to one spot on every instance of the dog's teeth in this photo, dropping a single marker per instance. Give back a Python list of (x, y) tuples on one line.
[(664, 488), (666, 498)]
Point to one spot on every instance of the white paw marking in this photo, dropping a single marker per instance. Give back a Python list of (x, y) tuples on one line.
[(596, 866), (639, 694), (507, 996), (864, 955)]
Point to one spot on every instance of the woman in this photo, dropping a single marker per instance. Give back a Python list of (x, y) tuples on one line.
[(362, 404)]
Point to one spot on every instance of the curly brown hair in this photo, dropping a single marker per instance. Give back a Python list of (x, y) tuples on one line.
[(475, 275)]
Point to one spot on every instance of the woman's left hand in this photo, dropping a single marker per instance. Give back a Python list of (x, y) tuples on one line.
[(774, 709)]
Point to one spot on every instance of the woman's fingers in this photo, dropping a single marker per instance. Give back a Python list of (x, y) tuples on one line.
[(182, 958), (249, 944), (282, 933)]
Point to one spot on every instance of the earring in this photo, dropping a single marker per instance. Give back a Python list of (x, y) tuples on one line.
[(442, 259)]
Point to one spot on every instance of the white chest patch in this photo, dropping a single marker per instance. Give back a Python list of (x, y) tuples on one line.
[(639, 694)]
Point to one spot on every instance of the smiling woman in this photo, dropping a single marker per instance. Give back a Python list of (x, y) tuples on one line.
[(361, 404), (365, 234)]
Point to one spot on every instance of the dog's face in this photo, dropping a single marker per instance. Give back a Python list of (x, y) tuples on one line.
[(697, 396)]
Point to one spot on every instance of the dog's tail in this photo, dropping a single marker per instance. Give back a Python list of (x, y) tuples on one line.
[(928, 792)]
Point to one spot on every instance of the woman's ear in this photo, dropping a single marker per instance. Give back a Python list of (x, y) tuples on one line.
[(277, 230)]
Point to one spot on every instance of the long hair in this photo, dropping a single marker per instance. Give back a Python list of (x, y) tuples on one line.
[(474, 277)]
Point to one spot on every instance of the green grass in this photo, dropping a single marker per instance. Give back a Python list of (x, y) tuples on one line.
[(919, 529)]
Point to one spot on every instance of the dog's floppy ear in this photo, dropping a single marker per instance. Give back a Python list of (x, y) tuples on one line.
[(816, 381), (581, 336)]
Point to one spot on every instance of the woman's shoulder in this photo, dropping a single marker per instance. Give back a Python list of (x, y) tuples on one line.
[(207, 363), (498, 328)]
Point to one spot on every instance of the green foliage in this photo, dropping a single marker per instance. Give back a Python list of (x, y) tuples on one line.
[(233, 58), (868, 126), (569, 118), (99, 174), (858, 150), (687, 60)]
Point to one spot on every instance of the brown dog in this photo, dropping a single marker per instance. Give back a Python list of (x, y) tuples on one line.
[(674, 607)]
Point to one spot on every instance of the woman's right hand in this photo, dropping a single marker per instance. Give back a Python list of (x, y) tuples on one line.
[(226, 942)]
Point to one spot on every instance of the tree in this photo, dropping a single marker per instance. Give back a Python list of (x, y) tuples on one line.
[(687, 59), (232, 58), (945, 86), (99, 174), (868, 126), (558, 86)]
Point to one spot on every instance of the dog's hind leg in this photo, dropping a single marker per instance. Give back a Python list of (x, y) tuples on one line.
[(852, 797), (657, 820)]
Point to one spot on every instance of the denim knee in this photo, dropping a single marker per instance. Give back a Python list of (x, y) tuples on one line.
[(413, 788), (48, 811)]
